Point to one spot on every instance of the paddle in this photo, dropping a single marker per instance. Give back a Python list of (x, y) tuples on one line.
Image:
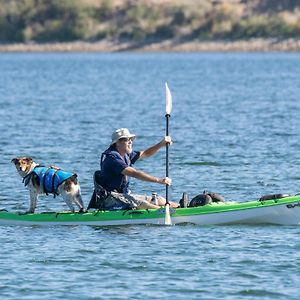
[(168, 115)]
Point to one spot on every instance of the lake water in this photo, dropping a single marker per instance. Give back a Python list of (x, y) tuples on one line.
[(235, 126)]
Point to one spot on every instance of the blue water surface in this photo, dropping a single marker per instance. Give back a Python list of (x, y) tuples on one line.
[(235, 127)]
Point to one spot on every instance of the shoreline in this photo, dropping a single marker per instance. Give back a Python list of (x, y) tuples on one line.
[(252, 45)]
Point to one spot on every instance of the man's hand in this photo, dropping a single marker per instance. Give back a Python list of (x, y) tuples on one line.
[(166, 140), (166, 181)]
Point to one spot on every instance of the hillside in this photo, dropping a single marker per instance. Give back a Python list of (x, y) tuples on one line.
[(140, 23)]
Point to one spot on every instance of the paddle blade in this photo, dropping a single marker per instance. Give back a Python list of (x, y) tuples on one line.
[(168, 101), (167, 215)]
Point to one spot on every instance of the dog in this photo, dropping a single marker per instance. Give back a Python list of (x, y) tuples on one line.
[(52, 180)]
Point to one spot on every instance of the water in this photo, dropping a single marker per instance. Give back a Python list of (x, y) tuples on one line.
[(235, 126)]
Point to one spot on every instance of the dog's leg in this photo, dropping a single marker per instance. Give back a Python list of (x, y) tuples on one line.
[(69, 202), (76, 196), (33, 201), (68, 199), (70, 191), (78, 200)]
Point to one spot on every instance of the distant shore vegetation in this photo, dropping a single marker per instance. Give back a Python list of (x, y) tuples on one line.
[(44, 21)]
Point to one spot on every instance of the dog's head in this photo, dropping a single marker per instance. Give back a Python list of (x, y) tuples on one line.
[(23, 164)]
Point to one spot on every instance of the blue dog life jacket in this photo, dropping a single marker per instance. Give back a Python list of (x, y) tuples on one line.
[(50, 178)]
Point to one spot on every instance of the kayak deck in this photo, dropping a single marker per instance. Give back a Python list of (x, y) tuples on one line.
[(277, 211)]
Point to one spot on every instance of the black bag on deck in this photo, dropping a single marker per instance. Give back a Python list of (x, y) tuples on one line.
[(206, 198), (273, 196), (99, 194), (215, 196)]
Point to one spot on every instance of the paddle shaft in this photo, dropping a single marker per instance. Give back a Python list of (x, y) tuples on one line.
[(167, 158)]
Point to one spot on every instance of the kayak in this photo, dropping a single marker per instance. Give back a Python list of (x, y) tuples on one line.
[(284, 211)]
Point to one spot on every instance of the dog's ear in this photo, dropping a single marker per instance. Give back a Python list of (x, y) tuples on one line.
[(15, 160), (29, 159)]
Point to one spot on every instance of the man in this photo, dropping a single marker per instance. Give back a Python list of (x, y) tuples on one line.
[(116, 168)]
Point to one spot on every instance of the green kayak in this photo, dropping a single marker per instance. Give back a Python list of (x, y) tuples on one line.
[(285, 211)]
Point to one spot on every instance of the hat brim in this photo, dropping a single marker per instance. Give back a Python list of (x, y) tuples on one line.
[(121, 137)]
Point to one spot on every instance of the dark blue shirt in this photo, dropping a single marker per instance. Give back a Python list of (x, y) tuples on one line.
[(112, 166)]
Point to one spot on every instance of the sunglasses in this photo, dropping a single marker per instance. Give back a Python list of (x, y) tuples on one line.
[(126, 139)]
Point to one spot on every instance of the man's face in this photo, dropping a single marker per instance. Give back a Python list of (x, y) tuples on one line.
[(125, 144)]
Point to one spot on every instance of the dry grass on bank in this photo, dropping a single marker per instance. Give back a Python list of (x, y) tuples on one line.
[(253, 45)]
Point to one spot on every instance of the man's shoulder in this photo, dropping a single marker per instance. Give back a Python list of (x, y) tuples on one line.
[(113, 158), (134, 153), (134, 156), (113, 153)]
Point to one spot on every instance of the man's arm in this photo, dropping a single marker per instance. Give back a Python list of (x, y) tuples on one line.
[(153, 149), (129, 171)]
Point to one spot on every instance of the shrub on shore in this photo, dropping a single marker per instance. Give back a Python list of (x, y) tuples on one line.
[(140, 21)]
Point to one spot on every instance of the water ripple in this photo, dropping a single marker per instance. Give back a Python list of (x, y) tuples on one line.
[(235, 128)]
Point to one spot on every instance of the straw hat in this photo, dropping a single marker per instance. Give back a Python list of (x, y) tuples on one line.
[(119, 134)]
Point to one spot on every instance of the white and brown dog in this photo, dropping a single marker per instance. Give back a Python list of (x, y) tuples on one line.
[(48, 180)]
